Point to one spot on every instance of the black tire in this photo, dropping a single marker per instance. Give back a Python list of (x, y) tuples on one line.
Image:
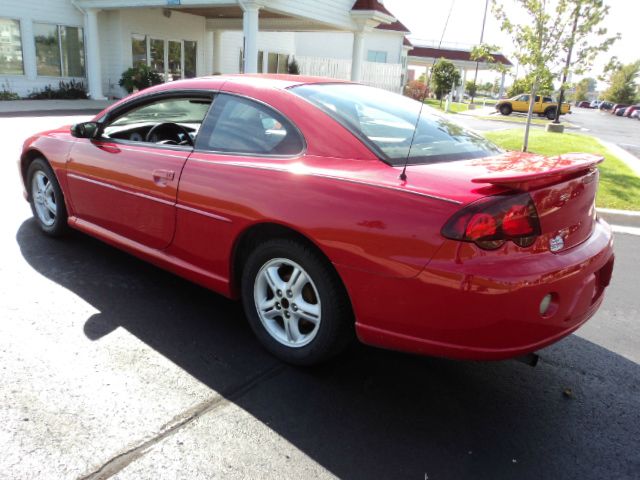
[(335, 330), (58, 225), (550, 113), (505, 109)]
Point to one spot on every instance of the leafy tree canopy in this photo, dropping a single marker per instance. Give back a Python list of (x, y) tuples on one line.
[(444, 77)]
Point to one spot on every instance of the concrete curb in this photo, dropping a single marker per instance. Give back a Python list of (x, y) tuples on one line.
[(629, 159), (625, 218)]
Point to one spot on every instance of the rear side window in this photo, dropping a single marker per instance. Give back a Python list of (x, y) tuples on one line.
[(386, 122), (239, 125)]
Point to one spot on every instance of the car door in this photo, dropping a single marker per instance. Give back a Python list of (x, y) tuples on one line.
[(242, 153), (126, 179), (521, 103)]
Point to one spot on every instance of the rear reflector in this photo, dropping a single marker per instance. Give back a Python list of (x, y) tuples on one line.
[(491, 221)]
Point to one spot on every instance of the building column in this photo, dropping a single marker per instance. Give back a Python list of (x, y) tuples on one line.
[(501, 91), (29, 59), (357, 57), (208, 54), (217, 51), (92, 59), (461, 87), (250, 30)]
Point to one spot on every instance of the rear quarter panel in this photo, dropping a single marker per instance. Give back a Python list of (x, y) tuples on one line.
[(356, 224)]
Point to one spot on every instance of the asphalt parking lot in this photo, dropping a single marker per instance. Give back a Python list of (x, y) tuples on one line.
[(112, 368)]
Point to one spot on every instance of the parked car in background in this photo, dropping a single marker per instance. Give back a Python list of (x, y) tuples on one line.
[(290, 194), (605, 106), (616, 108), (636, 114), (584, 104), (629, 111), (619, 112), (543, 106), (595, 103)]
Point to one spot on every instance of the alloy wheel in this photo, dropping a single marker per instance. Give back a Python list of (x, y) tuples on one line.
[(287, 302)]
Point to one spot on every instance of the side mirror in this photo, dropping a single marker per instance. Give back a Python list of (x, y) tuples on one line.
[(85, 130)]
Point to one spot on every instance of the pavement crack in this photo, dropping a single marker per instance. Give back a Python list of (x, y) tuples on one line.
[(122, 460)]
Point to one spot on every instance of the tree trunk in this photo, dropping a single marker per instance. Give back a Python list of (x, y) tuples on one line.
[(534, 90)]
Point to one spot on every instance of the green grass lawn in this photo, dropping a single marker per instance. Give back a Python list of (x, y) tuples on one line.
[(454, 107), (619, 186), (519, 119)]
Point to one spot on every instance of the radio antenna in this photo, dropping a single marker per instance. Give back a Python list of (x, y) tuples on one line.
[(403, 175)]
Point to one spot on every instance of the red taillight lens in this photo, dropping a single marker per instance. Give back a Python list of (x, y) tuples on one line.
[(517, 222), (491, 221), (481, 225)]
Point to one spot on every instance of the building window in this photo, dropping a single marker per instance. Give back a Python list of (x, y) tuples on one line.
[(59, 50), (377, 56), (10, 47), (72, 48), (277, 63), (139, 50), (181, 56), (260, 61), (156, 59), (190, 58), (175, 60)]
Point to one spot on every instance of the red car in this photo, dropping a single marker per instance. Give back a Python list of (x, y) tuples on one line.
[(289, 193), (629, 110)]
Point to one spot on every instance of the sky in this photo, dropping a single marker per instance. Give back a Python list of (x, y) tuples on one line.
[(426, 20)]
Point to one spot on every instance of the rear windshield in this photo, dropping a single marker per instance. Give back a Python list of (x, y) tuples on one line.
[(386, 122)]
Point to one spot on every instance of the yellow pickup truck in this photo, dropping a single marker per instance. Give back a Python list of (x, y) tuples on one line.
[(544, 106)]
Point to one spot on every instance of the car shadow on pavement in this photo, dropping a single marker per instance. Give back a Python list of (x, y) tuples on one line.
[(370, 413)]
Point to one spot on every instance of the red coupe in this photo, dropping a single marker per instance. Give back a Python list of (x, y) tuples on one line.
[(291, 194)]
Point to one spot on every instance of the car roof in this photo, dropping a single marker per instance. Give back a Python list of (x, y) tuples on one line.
[(259, 80)]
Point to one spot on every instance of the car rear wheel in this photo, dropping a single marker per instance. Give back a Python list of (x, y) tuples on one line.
[(295, 302), (505, 109), (550, 114), (45, 196)]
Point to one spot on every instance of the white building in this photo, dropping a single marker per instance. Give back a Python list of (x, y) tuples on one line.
[(94, 41)]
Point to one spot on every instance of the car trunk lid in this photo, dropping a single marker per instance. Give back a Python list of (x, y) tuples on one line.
[(563, 188)]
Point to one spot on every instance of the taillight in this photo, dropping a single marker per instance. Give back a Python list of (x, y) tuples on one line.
[(491, 221)]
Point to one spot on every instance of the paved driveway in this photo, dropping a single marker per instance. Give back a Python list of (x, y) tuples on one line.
[(111, 367)]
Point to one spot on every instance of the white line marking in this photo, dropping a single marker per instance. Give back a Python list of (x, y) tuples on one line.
[(627, 230)]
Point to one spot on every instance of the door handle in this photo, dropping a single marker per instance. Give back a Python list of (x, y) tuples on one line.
[(161, 177), (108, 147)]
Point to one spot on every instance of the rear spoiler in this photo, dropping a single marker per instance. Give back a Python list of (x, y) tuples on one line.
[(541, 171)]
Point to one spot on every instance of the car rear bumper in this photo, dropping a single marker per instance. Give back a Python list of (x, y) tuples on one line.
[(488, 309)]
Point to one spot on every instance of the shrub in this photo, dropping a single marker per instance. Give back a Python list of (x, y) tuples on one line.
[(293, 68), (416, 89), (7, 94), (71, 90), (140, 77)]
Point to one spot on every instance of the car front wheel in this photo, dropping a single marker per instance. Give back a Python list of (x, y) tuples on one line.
[(45, 196), (551, 114), (505, 109), (295, 302)]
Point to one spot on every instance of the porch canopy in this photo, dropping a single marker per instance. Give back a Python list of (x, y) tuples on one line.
[(250, 16), (427, 56)]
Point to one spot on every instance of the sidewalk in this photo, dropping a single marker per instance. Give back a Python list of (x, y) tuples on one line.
[(39, 108)]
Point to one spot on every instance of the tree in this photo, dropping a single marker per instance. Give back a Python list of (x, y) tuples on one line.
[(538, 41), (585, 38), (622, 84), (484, 53), (471, 88), (444, 77), (524, 85), (583, 88)]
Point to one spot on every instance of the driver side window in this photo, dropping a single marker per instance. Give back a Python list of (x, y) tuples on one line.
[(164, 121)]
